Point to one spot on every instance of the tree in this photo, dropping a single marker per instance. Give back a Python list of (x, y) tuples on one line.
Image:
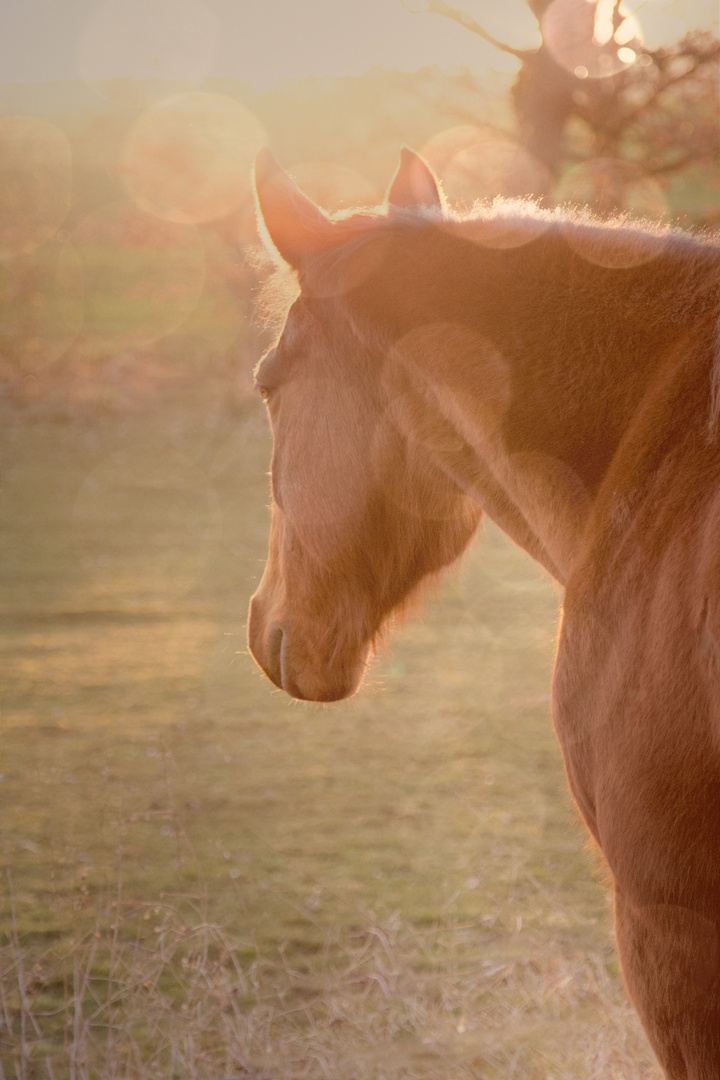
[(593, 96)]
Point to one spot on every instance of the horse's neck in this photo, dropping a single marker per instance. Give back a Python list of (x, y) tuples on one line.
[(532, 494), (543, 395)]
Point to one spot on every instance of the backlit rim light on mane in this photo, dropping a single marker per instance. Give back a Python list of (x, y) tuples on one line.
[(619, 244)]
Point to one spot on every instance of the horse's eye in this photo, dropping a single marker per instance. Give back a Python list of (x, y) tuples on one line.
[(265, 379)]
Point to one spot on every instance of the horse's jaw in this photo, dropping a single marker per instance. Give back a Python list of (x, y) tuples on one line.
[(293, 663)]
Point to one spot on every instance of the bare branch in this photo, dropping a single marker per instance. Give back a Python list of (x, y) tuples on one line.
[(440, 7), (700, 60), (641, 5)]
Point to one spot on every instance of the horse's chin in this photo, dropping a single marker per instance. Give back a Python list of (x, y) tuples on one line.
[(306, 681), (321, 690), (290, 662)]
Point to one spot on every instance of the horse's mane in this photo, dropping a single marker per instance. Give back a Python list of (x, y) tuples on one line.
[(616, 242)]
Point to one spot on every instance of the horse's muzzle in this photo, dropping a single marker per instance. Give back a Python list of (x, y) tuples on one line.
[(291, 663)]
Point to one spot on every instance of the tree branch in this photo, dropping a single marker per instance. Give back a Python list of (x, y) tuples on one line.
[(440, 7), (700, 60)]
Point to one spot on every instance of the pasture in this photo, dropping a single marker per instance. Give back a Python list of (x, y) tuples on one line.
[(202, 879)]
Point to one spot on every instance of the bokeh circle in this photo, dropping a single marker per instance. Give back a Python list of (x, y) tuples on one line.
[(189, 158)]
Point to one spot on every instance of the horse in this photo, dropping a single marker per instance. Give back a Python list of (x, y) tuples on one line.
[(561, 375)]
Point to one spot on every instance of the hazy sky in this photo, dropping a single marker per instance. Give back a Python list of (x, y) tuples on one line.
[(266, 40)]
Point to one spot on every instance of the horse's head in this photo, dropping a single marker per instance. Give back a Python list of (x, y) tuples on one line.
[(361, 513)]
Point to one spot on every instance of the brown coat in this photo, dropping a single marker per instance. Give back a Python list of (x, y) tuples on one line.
[(562, 376)]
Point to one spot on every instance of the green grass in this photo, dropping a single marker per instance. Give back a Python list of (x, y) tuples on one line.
[(203, 879)]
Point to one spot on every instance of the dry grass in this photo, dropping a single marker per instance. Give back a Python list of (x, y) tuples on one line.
[(389, 1001), (203, 881)]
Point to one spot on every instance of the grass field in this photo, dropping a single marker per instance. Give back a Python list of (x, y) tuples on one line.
[(202, 879)]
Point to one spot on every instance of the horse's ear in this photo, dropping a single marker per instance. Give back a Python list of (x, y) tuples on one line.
[(294, 224), (414, 184)]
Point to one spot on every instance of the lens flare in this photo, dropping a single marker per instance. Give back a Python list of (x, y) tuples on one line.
[(142, 277), (189, 158), (475, 162), (438, 410), (610, 186), (334, 187), (503, 226), (617, 248), (582, 37), (35, 183), (223, 310)]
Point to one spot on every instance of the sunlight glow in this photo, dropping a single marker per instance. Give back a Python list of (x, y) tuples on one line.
[(582, 38), (189, 158), (334, 187), (265, 41), (36, 190), (476, 162), (623, 183), (603, 29), (142, 277), (147, 40)]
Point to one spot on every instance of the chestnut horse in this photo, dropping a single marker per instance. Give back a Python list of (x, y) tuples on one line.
[(562, 376)]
